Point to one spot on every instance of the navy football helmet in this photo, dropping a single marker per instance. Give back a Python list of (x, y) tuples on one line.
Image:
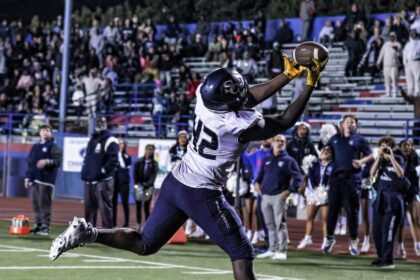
[(223, 90)]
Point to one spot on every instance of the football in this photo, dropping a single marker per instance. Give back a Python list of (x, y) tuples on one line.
[(304, 53)]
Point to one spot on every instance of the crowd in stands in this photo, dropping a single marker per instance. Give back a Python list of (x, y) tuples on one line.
[(126, 50)]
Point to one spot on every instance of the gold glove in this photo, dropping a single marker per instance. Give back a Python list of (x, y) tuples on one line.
[(314, 72), (291, 68)]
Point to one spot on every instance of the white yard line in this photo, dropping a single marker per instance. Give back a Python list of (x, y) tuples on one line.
[(154, 265)]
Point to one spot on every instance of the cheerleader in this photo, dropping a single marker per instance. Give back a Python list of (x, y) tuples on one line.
[(316, 184)]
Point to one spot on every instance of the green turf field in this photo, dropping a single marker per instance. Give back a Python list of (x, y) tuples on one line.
[(27, 258)]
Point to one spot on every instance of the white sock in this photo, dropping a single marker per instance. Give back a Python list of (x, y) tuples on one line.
[(308, 237), (418, 244), (366, 238), (402, 246)]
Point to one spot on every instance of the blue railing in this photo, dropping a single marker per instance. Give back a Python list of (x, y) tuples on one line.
[(159, 125)]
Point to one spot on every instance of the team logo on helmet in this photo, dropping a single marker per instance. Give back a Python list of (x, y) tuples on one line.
[(235, 88)]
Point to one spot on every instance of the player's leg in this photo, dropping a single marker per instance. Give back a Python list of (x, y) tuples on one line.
[(210, 210), (162, 224)]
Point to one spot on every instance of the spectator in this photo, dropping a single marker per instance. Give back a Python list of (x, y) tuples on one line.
[(350, 152), (183, 115), (193, 84), (92, 84), (173, 31), (284, 34), (214, 50), (400, 30), (197, 47), (145, 171), (78, 100), (363, 33), (97, 42), (166, 63), (307, 13), (254, 160), (316, 184), (99, 168), (389, 22), (111, 34), (203, 28), (412, 162), (248, 200), (159, 112), (340, 32), (301, 145), (411, 59), (43, 162), (150, 63), (353, 17), (122, 183), (369, 59), (388, 208), (248, 67), (390, 55), (273, 183), (326, 35), (356, 49), (415, 20), (177, 151)]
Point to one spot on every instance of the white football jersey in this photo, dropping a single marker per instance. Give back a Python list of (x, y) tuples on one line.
[(214, 146)]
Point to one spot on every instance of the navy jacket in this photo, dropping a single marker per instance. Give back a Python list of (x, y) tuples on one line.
[(314, 174), (101, 159), (123, 173), (53, 154), (145, 172), (390, 197), (276, 172), (299, 148), (346, 149)]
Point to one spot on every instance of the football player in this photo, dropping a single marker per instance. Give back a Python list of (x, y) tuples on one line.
[(224, 124)]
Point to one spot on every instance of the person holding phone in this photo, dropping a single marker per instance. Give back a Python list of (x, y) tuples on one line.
[(388, 208)]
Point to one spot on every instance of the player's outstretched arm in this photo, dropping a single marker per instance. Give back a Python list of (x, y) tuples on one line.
[(261, 92), (276, 124)]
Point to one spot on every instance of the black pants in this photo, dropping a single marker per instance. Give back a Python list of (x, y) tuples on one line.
[(386, 222), (41, 202), (99, 196), (146, 205), (122, 188), (344, 191)]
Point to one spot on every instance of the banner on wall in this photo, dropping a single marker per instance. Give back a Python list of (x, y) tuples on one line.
[(162, 147), (74, 151)]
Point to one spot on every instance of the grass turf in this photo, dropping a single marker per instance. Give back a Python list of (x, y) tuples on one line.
[(26, 257)]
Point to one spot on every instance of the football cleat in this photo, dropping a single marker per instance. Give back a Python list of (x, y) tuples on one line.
[(76, 235)]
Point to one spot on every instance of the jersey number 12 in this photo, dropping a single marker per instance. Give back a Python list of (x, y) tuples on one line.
[(199, 143)]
